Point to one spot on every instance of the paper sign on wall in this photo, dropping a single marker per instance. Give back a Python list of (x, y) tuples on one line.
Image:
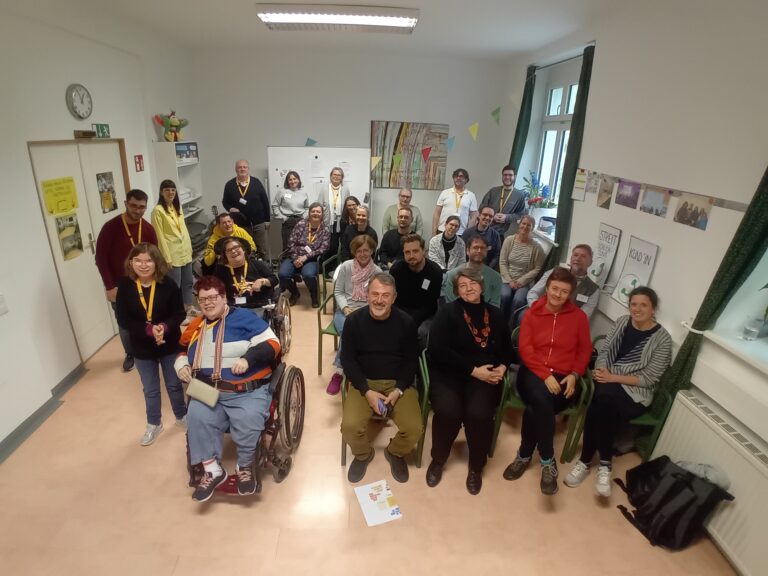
[(607, 243), (60, 195), (637, 270)]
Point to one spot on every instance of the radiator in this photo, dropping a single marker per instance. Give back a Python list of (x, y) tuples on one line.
[(698, 430)]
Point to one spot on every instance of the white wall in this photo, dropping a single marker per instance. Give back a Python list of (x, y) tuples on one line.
[(248, 100), (675, 101), (40, 59)]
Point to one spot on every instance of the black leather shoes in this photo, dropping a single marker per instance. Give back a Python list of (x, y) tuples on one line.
[(398, 466), (474, 482), (434, 474), (128, 363), (358, 468)]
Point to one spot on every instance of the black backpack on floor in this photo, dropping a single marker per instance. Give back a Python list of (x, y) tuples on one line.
[(671, 504)]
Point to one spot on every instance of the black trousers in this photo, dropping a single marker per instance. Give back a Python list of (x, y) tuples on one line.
[(472, 403), (611, 407), (539, 416), (285, 232)]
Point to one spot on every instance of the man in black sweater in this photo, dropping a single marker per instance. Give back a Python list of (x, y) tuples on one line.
[(391, 248), (379, 356), (418, 281), (245, 195)]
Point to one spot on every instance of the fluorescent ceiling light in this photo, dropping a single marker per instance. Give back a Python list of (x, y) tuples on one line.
[(322, 17)]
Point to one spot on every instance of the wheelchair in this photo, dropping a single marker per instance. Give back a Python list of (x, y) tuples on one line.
[(277, 313), (281, 436)]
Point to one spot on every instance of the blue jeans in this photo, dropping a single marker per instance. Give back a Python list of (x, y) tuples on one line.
[(125, 337), (149, 372), (338, 322), (308, 274), (182, 275), (513, 299), (243, 414)]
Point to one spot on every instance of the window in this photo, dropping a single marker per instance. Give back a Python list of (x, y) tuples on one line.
[(556, 127)]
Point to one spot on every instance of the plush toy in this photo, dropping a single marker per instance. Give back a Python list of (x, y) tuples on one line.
[(172, 126)]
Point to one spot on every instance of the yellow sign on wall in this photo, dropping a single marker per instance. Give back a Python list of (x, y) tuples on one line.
[(60, 195)]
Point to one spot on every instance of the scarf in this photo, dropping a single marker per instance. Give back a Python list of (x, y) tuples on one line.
[(218, 346), (360, 276)]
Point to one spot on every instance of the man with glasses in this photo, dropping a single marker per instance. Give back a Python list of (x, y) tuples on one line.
[(390, 221), (507, 202), (456, 201), (492, 237), (113, 244), (245, 195)]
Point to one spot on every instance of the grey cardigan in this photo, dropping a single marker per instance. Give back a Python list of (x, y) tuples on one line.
[(654, 360), (534, 265)]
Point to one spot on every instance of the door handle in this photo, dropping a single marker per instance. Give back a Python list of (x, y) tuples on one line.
[(91, 243)]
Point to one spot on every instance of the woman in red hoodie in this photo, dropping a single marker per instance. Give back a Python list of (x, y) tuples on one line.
[(555, 348)]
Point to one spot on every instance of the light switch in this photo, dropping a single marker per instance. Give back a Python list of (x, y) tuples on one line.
[(3, 305)]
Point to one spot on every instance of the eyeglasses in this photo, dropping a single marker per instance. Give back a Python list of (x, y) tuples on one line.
[(206, 299), (234, 249), (142, 262)]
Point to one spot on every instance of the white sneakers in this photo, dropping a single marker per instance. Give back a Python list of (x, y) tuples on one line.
[(603, 483), (580, 471), (577, 474), (151, 433)]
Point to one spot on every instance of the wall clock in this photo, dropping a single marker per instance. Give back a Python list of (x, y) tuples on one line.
[(79, 101)]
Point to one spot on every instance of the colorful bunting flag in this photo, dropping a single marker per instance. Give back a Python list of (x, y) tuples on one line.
[(473, 131), (425, 153), (396, 159), (449, 143), (375, 162), (310, 142), (496, 114)]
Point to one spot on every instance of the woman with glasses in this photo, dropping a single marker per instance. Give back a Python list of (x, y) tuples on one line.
[(469, 352), (250, 282), (234, 351), (150, 308), (447, 249)]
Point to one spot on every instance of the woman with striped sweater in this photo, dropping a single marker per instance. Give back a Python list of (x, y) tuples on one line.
[(629, 365)]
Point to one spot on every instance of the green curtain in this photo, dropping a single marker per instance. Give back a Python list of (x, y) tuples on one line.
[(523, 119), (565, 203), (744, 253)]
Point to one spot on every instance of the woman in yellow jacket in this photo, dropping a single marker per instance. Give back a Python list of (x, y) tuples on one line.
[(173, 239)]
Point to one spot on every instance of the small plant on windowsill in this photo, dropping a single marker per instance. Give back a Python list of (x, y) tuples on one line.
[(538, 195)]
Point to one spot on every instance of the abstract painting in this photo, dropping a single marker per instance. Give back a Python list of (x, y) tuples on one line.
[(412, 154)]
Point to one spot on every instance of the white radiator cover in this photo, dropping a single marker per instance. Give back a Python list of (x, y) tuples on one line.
[(697, 430)]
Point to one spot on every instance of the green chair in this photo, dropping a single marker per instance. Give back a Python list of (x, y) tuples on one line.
[(653, 418), (326, 276), (576, 414), (329, 330), (424, 404)]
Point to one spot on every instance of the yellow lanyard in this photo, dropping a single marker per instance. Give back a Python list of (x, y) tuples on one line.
[(243, 191), (147, 309), (503, 200), (240, 285), (335, 192), (130, 236), (458, 198), (311, 237)]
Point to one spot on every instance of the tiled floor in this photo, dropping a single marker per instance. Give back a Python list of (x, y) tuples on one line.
[(82, 497)]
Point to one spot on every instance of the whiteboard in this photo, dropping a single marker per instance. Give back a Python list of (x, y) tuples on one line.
[(314, 165)]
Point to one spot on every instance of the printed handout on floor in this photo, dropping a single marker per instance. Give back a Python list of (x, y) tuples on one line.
[(377, 503)]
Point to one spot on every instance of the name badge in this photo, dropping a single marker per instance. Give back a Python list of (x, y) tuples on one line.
[(307, 249), (289, 196), (239, 299), (425, 284), (582, 298), (243, 201)]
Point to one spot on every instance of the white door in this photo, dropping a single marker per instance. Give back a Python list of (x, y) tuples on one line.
[(70, 231)]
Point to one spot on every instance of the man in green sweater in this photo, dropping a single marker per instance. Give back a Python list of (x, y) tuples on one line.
[(477, 251)]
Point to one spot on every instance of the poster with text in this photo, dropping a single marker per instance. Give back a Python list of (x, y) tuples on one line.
[(637, 270), (605, 191), (607, 243), (628, 193), (60, 195)]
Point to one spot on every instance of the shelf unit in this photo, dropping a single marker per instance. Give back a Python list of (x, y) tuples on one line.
[(180, 162)]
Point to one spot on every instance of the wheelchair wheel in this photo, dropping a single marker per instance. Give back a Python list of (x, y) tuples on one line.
[(279, 473), (291, 406), (283, 322)]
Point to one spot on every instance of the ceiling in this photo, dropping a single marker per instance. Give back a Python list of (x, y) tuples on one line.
[(479, 28)]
